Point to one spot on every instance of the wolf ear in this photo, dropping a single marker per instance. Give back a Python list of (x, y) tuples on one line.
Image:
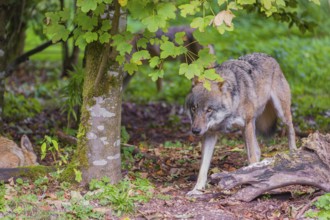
[(195, 81), (220, 85), (26, 144)]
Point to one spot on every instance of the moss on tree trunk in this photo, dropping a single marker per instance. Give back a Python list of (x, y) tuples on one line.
[(98, 152)]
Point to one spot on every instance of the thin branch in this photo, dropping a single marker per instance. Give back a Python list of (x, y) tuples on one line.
[(24, 57)]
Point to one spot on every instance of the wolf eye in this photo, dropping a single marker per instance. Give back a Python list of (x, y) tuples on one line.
[(209, 110), (193, 109)]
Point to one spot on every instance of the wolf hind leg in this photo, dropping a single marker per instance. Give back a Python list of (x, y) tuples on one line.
[(251, 143), (282, 106), (208, 144)]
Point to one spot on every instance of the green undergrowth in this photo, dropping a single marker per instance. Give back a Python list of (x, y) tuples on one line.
[(322, 208), (37, 199)]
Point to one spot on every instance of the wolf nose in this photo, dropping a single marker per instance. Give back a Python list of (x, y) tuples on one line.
[(196, 130)]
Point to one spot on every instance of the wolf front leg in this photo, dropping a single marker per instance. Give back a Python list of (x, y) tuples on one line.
[(251, 143), (208, 144)]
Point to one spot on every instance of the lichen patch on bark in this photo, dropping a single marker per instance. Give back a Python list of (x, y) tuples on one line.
[(91, 136), (115, 157), (98, 110), (117, 143), (100, 162), (104, 140), (100, 127)]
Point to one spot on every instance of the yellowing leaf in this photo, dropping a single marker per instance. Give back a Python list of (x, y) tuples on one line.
[(225, 16), (122, 3)]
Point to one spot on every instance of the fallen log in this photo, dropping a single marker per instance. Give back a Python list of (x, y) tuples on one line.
[(32, 172), (310, 165)]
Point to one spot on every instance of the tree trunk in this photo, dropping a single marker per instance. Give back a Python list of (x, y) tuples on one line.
[(12, 29), (308, 166), (99, 131), (98, 150), (3, 60)]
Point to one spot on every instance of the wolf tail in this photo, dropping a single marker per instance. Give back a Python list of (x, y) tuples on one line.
[(266, 122)]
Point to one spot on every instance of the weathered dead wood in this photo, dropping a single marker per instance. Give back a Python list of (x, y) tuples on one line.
[(310, 165), (31, 172)]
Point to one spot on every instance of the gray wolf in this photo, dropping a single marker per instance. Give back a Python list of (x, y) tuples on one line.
[(13, 156), (253, 94)]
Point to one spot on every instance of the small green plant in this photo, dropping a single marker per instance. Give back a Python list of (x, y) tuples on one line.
[(81, 209), (19, 107), (72, 94), (170, 144), (323, 206), (122, 196), (124, 135), (2, 197), (50, 144)]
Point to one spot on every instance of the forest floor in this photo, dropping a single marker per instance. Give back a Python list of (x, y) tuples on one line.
[(161, 148)]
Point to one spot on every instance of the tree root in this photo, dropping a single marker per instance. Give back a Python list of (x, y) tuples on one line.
[(310, 165)]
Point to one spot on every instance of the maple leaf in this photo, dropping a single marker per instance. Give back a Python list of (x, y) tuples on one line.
[(225, 16)]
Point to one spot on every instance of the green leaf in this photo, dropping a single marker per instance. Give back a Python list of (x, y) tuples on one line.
[(106, 25), (205, 59), (99, 9), (154, 22), (207, 85), (105, 37), (246, 2), (167, 49), (190, 70), (280, 3), (120, 59), (78, 175), (142, 43), (166, 10), (267, 4), (156, 74), (65, 14), (43, 150), (79, 37), (58, 32), (90, 36), (211, 75), (121, 43), (198, 23), (86, 22), (153, 62), (87, 5), (201, 22), (130, 67), (190, 9), (221, 2), (140, 55), (183, 68), (55, 144), (179, 37), (53, 17)]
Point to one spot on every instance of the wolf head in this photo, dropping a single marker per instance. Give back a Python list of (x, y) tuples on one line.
[(207, 109)]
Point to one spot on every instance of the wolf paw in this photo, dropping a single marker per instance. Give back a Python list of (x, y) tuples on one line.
[(194, 192)]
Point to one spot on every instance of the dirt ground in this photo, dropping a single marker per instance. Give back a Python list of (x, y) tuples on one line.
[(168, 155)]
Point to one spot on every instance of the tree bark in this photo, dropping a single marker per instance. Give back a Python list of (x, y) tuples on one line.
[(310, 165), (99, 130), (12, 28)]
